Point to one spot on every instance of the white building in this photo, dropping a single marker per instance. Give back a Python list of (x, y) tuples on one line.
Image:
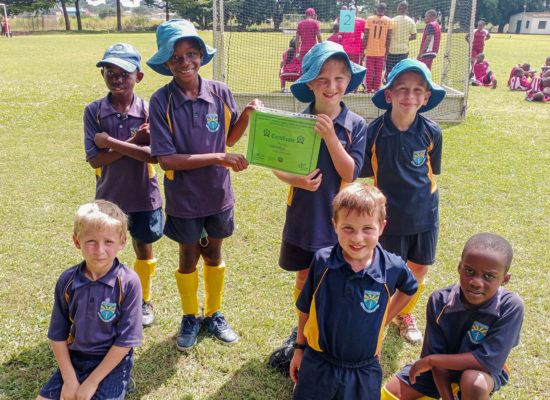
[(533, 23), (125, 3)]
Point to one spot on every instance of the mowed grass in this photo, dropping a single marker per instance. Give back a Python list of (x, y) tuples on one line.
[(495, 178)]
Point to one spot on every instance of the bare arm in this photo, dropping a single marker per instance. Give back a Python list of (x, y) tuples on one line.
[(319, 38), (412, 36), (113, 357), (70, 381), (458, 362), (298, 44), (343, 162), (240, 126), (424, 46), (300, 339), (178, 162), (388, 41), (398, 301), (442, 381), (309, 182), (365, 41)]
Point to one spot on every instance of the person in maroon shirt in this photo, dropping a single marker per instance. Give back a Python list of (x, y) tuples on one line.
[(308, 33)]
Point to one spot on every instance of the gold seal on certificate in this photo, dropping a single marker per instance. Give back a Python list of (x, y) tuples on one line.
[(283, 141)]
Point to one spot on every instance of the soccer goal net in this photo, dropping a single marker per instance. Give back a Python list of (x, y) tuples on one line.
[(261, 43)]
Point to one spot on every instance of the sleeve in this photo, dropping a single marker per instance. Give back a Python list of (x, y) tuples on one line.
[(317, 26), (357, 148), (366, 169), (435, 153), (230, 101), (430, 30), (162, 143), (91, 127), (502, 336), (60, 323), (434, 339), (412, 27), (129, 329), (406, 281)]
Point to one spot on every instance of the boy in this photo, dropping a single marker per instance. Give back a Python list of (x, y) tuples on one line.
[(518, 81), (478, 44), (402, 154), (116, 140), (308, 32), (192, 121), (376, 44), (545, 67), (328, 75), (481, 74), (429, 46), (539, 88), (345, 303), (471, 328), (403, 31), (96, 318)]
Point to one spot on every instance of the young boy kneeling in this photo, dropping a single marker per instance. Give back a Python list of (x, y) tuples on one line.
[(471, 328), (96, 317), (345, 303)]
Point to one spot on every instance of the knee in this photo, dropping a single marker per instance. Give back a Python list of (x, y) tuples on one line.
[(476, 384), (212, 253), (301, 278)]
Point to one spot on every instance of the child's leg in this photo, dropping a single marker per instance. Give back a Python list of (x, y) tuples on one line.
[(214, 275), (187, 278), (144, 266), (379, 65), (370, 64), (476, 385), (396, 389)]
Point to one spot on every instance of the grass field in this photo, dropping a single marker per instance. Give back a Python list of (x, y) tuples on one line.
[(495, 178)]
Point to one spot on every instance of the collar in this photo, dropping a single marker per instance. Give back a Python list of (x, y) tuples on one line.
[(344, 119), (491, 307), (390, 128), (179, 98), (108, 279), (135, 110), (374, 270)]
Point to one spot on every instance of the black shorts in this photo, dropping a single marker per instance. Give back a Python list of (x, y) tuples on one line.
[(146, 226), (419, 248), (293, 258), (189, 230)]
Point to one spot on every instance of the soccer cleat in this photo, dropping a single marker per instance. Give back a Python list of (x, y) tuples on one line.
[(147, 315), (408, 329), (218, 327), (292, 338), (280, 359), (131, 386), (189, 330)]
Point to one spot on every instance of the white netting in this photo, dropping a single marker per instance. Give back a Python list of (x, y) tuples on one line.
[(252, 36)]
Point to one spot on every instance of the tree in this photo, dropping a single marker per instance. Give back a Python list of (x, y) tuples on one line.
[(118, 16), (78, 19), (66, 15), (35, 7), (498, 12), (199, 11), (164, 4)]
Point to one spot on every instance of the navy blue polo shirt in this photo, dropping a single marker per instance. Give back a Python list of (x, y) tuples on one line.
[(347, 309), (180, 125), (403, 164), (308, 222), (98, 314), (127, 182), (489, 332)]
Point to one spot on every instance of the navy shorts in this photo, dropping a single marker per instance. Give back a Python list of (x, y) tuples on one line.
[(294, 258), (189, 230), (418, 248), (146, 226), (112, 387), (319, 379), (425, 383)]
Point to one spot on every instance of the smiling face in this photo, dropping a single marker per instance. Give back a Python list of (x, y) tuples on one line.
[(120, 82), (407, 93), (99, 248), (358, 235), (185, 62), (329, 87), (481, 273)]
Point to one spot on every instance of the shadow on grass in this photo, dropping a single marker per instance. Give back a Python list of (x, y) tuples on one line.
[(24, 374), (255, 380), (391, 347)]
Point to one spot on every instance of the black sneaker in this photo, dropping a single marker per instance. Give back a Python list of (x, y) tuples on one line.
[(292, 338), (189, 330), (280, 359), (147, 315), (218, 327), (131, 386)]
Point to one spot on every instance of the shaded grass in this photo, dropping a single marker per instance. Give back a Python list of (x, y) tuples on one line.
[(494, 178)]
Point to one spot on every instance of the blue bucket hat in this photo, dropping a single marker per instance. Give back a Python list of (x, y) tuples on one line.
[(168, 33), (311, 66), (122, 55), (410, 64)]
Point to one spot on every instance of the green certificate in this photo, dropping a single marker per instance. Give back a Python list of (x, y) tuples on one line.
[(283, 141)]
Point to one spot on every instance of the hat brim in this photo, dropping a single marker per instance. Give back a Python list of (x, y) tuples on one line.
[(303, 93), (437, 92), (125, 65), (167, 49)]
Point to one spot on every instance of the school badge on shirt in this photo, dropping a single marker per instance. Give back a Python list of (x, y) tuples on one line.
[(212, 123), (370, 301), (107, 311), (419, 157), (477, 332)]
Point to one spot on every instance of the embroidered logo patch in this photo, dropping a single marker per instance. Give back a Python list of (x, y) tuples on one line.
[(419, 157), (107, 311), (477, 332), (370, 301), (133, 130), (212, 123)]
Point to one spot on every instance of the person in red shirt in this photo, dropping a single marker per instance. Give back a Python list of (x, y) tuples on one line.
[(290, 69), (481, 74), (308, 33), (430, 39), (479, 37)]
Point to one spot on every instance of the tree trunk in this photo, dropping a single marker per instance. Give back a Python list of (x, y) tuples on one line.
[(78, 20), (167, 10), (501, 27), (66, 16), (118, 16)]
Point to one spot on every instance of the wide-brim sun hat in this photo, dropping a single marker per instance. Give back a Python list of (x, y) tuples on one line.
[(168, 33), (410, 64), (311, 66)]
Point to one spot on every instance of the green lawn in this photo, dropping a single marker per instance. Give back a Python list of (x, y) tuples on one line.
[(495, 178)]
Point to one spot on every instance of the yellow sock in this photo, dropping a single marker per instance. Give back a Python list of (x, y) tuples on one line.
[(214, 277), (410, 306), (145, 270), (296, 294), (386, 395), (188, 285)]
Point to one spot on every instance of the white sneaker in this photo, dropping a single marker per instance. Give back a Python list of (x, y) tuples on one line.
[(408, 329)]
